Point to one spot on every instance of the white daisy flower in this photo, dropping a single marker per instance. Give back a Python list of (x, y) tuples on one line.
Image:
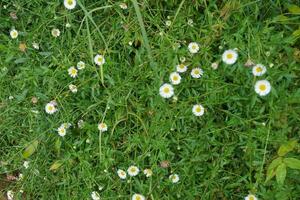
[(102, 127), (229, 56), (193, 47), (133, 170), (55, 32), (61, 131), (26, 164), (182, 59), (80, 65), (73, 88), (80, 124), (175, 78), (66, 125), (168, 23), (148, 172), (122, 174), (70, 4), (72, 71), (36, 45), (166, 90), (250, 197), (259, 70), (10, 195), (14, 33), (50, 108), (198, 110), (99, 59), (138, 197), (181, 68), (197, 72), (95, 195), (214, 65), (262, 87), (174, 178), (123, 6)]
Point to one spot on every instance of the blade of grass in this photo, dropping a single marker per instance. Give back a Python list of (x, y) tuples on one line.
[(144, 33)]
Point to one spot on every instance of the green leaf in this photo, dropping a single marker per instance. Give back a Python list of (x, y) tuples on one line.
[(285, 148), (294, 9), (30, 149), (56, 165), (281, 173), (296, 33), (292, 163), (272, 168), (57, 145)]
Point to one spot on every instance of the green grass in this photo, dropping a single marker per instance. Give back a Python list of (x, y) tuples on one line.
[(222, 155)]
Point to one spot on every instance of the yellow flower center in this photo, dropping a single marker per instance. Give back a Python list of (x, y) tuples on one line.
[(251, 197), (70, 2), (175, 78), (73, 71), (194, 47), (198, 109), (258, 69), (166, 90), (229, 56), (196, 72), (50, 108), (14, 34), (132, 170), (138, 198), (100, 59), (181, 66), (122, 173), (262, 87)]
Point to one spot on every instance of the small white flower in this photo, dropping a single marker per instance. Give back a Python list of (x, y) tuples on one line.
[(73, 88), (50, 108), (250, 197), (123, 6), (166, 90), (14, 33), (61, 131), (26, 164), (66, 125), (55, 32), (72, 71), (133, 170), (174, 178), (198, 110), (20, 177), (271, 65), (190, 22), (95, 195), (259, 70), (10, 195), (102, 127), (80, 124), (168, 23), (68, 25), (70, 4), (182, 59), (214, 65), (99, 59), (11, 97), (130, 43), (148, 172), (229, 56), (262, 87), (193, 47), (36, 45), (122, 174), (80, 65), (175, 78), (197, 72), (138, 197), (181, 68)]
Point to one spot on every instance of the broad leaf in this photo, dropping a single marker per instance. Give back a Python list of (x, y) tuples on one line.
[(30, 149), (272, 168), (56, 165), (281, 173), (292, 163), (294, 9), (285, 148)]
